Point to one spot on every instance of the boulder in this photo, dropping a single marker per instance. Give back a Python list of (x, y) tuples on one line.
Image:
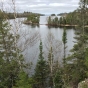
[(83, 84)]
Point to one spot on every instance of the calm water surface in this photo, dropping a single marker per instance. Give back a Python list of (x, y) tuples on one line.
[(31, 50)]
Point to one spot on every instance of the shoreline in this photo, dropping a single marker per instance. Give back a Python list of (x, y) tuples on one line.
[(60, 25)]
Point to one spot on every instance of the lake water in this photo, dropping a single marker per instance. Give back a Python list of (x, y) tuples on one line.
[(30, 37)]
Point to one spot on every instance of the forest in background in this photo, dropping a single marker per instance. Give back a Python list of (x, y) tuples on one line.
[(10, 15)]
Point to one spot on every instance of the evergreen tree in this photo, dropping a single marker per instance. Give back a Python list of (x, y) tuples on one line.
[(58, 79), (33, 18), (61, 21), (24, 81), (77, 73), (64, 39), (64, 75), (86, 62), (41, 71), (9, 65), (49, 21)]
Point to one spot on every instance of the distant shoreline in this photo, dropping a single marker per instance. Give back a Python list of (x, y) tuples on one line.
[(67, 25), (52, 25)]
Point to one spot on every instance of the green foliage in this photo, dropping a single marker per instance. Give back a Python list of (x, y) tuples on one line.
[(53, 22), (23, 81), (53, 15), (33, 18), (64, 39), (58, 79), (7, 52), (41, 71), (77, 59), (11, 60), (73, 18), (86, 62), (49, 20)]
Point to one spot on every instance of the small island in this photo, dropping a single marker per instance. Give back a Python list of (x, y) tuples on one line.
[(32, 19), (53, 22), (58, 22), (53, 14)]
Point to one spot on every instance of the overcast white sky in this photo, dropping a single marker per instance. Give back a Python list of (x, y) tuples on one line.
[(42, 6)]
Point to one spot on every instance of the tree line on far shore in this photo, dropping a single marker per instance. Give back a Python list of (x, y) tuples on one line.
[(70, 19)]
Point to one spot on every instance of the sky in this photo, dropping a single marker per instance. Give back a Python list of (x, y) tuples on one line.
[(41, 6)]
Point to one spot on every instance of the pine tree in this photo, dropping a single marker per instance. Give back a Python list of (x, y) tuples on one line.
[(77, 73), (49, 21), (58, 79), (41, 71), (9, 65), (64, 39), (86, 61), (24, 81)]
